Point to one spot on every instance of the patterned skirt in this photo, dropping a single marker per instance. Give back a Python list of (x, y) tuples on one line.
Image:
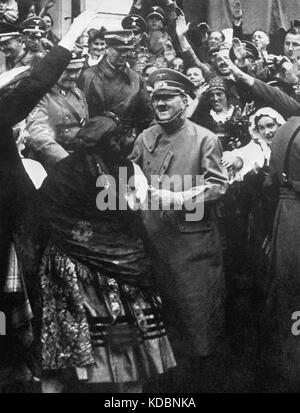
[(109, 332)]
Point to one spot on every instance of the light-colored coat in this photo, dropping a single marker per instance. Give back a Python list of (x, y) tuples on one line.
[(53, 127), (187, 256)]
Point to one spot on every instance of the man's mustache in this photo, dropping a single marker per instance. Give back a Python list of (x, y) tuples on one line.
[(161, 107)]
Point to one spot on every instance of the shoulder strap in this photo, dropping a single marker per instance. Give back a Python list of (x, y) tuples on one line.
[(62, 100)]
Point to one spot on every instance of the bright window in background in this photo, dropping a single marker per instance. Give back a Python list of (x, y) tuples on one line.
[(113, 11)]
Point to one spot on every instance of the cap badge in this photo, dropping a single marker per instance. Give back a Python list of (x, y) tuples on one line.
[(162, 85)]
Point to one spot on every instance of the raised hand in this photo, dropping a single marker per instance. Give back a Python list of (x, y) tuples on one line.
[(236, 10), (201, 90), (181, 26), (79, 25), (239, 49)]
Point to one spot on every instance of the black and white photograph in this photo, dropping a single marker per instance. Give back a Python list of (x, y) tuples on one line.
[(149, 199)]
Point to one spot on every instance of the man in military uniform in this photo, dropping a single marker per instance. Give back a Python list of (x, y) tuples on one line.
[(160, 23), (140, 55), (33, 30), (113, 86), (186, 255), (11, 44), (58, 117), (22, 45)]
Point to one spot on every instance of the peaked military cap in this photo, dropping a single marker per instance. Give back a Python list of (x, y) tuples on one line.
[(169, 81), (35, 25), (156, 11), (8, 31), (134, 22), (251, 51), (77, 60), (122, 39)]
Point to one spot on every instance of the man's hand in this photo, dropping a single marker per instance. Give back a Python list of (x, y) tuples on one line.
[(181, 27), (164, 199), (239, 49), (46, 42), (236, 10), (138, 4), (201, 90), (237, 72), (79, 25), (230, 161)]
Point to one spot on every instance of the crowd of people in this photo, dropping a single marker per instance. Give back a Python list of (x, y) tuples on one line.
[(154, 296)]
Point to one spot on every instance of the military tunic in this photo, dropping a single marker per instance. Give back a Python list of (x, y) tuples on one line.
[(187, 256), (53, 125)]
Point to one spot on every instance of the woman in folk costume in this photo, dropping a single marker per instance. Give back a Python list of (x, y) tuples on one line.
[(255, 158), (225, 118), (100, 314)]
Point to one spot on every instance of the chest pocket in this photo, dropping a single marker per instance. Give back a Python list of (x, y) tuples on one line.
[(205, 225)]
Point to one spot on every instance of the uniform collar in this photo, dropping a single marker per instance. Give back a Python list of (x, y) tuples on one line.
[(109, 70), (152, 138), (64, 92), (24, 59)]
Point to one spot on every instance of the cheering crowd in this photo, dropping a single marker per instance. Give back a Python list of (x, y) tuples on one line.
[(169, 119)]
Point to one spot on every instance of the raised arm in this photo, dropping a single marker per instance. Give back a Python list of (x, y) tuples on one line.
[(272, 96), (30, 90), (188, 54)]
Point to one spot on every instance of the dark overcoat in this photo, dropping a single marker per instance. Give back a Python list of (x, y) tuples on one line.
[(284, 288), (17, 194), (119, 91)]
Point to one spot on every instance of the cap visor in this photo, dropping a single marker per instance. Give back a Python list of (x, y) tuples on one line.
[(172, 92)]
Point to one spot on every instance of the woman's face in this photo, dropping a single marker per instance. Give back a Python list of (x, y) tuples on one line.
[(48, 22), (218, 100), (196, 76), (97, 47), (267, 127)]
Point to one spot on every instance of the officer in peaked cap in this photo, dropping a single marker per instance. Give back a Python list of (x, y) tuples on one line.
[(173, 148), (34, 29), (169, 82), (11, 44), (135, 23), (160, 29), (34, 25), (52, 137), (157, 13), (120, 40)]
